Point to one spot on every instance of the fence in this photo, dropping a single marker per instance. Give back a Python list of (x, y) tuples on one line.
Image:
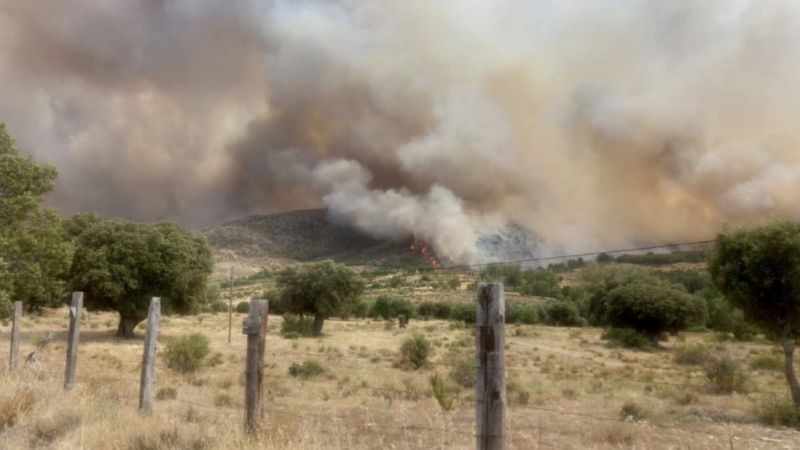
[(490, 430)]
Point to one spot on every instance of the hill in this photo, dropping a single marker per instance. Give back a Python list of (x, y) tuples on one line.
[(305, 235)]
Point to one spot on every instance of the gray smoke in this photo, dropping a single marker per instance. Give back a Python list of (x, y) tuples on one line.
[(591, 124)]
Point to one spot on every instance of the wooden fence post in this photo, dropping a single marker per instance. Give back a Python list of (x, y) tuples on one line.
[(72, 340), (17, 323), (149, 357), (255, 327), (490, 385)]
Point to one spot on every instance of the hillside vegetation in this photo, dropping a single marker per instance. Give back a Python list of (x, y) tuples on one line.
[(305, 236)]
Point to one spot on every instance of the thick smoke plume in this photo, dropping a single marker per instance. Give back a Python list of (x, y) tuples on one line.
[(592, 124)]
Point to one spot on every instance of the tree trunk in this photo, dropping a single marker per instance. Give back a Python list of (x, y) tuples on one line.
[(319, 320), (787, 341), (126, 326)]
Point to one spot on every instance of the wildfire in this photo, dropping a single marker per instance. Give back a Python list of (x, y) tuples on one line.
[(426, 252)]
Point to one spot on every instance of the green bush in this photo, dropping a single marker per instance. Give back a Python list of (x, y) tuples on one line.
[(725, 376), (766, 361), (243, 307), (435, 310), (444, 392), (295, 326), (361, 309), (724, 317), (167, 393), (414, 352), (562, 313), (392, 307), (187, 353), (524, 313), (692, 355), (219, 306), (628, 338), (5, 306), (779, 413), (306, 370), (539, 282), (464, 312), (653, 307), (692, 280)]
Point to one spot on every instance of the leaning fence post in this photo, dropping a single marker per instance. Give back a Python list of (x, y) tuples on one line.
[(72, 340), (255, 327), (149, 357), (17, 323), (490, 385)]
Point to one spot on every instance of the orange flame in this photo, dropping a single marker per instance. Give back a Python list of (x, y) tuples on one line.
[(426, 252)]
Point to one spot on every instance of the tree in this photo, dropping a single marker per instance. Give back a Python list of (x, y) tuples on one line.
[(758, 270), (653, 307), (5, 289), (599, 280), (33, 246), (120, 265), (321, 289)]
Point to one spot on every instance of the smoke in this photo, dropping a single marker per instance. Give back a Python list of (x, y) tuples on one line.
[(591, 124)]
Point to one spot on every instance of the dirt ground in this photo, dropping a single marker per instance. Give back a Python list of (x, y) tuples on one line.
[(566, 389)]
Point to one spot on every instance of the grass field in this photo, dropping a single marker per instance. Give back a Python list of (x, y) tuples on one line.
[(566, 389)]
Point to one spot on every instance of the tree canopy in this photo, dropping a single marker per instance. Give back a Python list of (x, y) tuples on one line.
[(652, 307), (34, 254), (758, 270), (321, 289), (626, 296), (120, 265)]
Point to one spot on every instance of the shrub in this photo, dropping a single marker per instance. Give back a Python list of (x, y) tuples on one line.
[(692, 355), (223, 399), (462, 370), (725, 376), (186, 354), (167, 393), (402, 320), (392, 307), (562, 313), (243, 307), (767, 362), (295, 326), (628, 338), (692, 280), (219, 306), (306, 370), (632, 411), (414, 352), (434, 309), (5, 306), (522, 313), (653, 307), (464, 312), (779, 412), (215, 360), (444, 392), (362, 308)]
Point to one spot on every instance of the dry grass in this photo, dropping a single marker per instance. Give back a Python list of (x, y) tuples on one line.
[(566, 389)]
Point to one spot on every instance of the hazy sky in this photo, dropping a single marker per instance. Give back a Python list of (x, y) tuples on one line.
[(591, 123)]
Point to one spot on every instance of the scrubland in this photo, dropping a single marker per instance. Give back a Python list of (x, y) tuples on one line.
[(566, 388)]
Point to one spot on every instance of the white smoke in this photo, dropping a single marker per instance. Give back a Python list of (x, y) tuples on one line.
[(591, 124)]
